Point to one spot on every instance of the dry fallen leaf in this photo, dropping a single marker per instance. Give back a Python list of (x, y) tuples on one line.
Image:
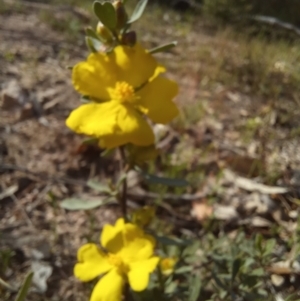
[(277, 280), (42, 271), (8, 192), (251, 185), (201, 210), (225, 213)]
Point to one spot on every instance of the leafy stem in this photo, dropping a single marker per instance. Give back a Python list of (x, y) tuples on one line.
[(123, 196), (161, 281)]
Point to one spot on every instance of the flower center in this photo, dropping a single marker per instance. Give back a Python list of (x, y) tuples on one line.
[(123, 92), (117, 262)]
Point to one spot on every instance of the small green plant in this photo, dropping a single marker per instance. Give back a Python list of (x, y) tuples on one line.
[(5, 258)]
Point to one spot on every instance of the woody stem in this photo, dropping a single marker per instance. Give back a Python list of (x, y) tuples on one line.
[(123, 203), (123, 196)]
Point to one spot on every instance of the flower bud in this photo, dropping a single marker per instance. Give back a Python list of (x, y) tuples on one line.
[(143, 216), (129, 38), (104, 33), (122, 16), (167, 265)]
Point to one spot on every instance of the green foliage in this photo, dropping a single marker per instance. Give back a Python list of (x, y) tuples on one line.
[(138, 11), (5, 258), (25, 287), (106, 14), (153, 179), (81, 204), (215, 267), (229, 269), (162, 48), (93, 44)]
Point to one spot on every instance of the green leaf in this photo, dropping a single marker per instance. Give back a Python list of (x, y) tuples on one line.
[(263, 292), (25, 287), (90, 141), (98, 186), (162, 48), (90, 32), (106, 13), (257, 272), (194, 288), (152, 179), (90, 44), (184, 269), (107, 152), (138, 11), (171, 287), (248, 262), (191, 249), (254, 296), (236, 264), (93, 44), (269, 247), (86, 99), (258, 242), (79, 204), (292, 297), (122, 178), (223, 294), (171, 241), (218, 281)]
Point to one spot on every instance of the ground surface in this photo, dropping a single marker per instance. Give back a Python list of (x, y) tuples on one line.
[(226, 131)]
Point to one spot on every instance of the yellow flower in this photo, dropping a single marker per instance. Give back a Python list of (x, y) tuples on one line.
[(167, 265), (143, 216), (123, 85), (129, 257)]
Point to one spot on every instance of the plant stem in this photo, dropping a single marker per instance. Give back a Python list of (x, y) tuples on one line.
[(123, 196), (161, 281), (115, 34), (123, 203), (126, 292)]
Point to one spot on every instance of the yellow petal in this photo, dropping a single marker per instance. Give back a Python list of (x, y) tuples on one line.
[(109, 287), (109, 231), (135, 64), (112, 237), (115, 124), (156, 100), (129, 127), (127, 241), (136, 250), (92, 263), (139, 273), (95, 75), (94, 119)]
